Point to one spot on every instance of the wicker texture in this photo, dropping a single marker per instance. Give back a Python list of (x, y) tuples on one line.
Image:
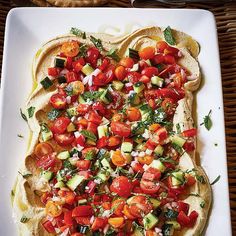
[(226, 25)]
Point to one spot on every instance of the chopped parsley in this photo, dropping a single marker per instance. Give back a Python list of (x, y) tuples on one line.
[(31, 111), (88, 134), (202, 204), (53, 114), (113, 54), (168, 36), (201, 179), (23, 115), (97, 43), (207, 122), (24, 219), (216, 180), (78, 32)]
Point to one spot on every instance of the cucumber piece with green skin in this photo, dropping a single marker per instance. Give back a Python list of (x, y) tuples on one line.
[(158, 165), (102, 131), (178, 140), (134, 99), (46, 174), (103, 175), (149, 221), (63, 155), (60, 62), (159, 150), (139, 87), (105, 163), (106, 97), (117, 85), (75, 181), (140, 146), (156, 80), (126, 147), (137, 232), (87, 69), (156, 203), (59, 184), (81, 99), (46, 135), (175, 224), (72, 111), (177, 178)]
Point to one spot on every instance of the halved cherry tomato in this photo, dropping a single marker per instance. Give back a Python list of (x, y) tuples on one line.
[(121, 129), (120, 72), (53, 71), (47, 161), (161, 46), (83, 108), (127, 212), (64, 139), (133, 114), (149, 187), (102, 142), (169, 106), (83, 164), (190, 132), (43, 149), (137, 167), (71, 76), (133, 77), (100, 108), (152, 174), (48, 226), (147, 159), (127, 62), (94, 117), (92, 127), (105, 64), (114, 141), (82, 211), (118, 206), (58, 101), (147, 53), (70, 49), (117, 158), (92, 56), (117, 117), (60, 125), (116, 222), (122, 186), (145, 79), (53, 209), (150, 71), (69, 196), (99, 223), (161, 133)]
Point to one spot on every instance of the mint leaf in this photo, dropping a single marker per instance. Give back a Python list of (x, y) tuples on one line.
[(168, 36)]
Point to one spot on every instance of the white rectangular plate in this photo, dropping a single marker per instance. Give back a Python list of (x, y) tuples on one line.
[(28, 28)]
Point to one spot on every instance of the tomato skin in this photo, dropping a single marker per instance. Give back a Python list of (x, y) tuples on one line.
[(82, 211), (80, 140), (176, 94), (149, 187), (183, 206), (94, 117), (58, 101), (193, 218), (190, 132), (118, 205), (114, 141), (42, 149), (83, 220), (127, 62), (133, 77), (189, 146), (100, 108), (92, 56), (168, 59), (70, 49), (48, 226), (53, 71), (69, 196), (127, 212), (68, 218), (161, 46), (60, 125), (47, 161), (145, 79), (83, 164), (147, 53), (133, 114), (120, 72), (83, 108), (161, 133), (122, 186), (137, 167), (64, 139), (105, 64), (152, 174), (183, 219), (92, 127), (158, 59), (102, 142), (120, 128), (150, 71), (99, 223)]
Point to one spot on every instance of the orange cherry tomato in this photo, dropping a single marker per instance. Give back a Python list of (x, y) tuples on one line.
[(114, 141), (120, 72), (106, 205), (118, 159), (83, 122), (43, 149), (116, 222), (118, 206), (147, 53), (70, 49), (154, 127), (117, 117), (53, 209), (127, 62), (69, 196), (78, 86), (133, 114), (161, 46), (145, 160), (127, 213)]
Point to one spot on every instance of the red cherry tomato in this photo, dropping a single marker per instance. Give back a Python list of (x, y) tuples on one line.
[(47, 161), (83, 108), (137, 167), (147, 53), (105, 64), (58, 101), (99, 107), (92, 127), (92, 56), (120, 72), (102, 142), (183, 206), (168, 59), (149, 187), (133, 77), (94, 117), (161, 133), (83, 164), (60, 124), (64, 139), (158, 59), (122, 186), (121, 129), (189, 146), (169, 106), (161, 46), (127, 62), (99, 223), (150, 71), (151, 174)]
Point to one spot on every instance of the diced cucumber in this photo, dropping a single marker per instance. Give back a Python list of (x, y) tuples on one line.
[(137, 232), (140, 146), (59, 184), (63, 155), (102, 131), (178, 140), (87, 69), (81, 99), (60, 62), (117, 85), (156, 80), (46, 174), (175, 224), (106, 97), (59, 176), (103, 175), (149, 221), (75, 181), (134, 99), (177, 178), (126, 147), (159, 150), (71, 127), (156, 203), (158, 165), (72, 111), (105, 163), (139, 87)]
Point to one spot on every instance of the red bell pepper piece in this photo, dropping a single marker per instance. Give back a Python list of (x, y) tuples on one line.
[(82, 211), (190, 132)]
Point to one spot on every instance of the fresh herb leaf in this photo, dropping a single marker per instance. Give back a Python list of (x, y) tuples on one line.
[(24, 219), (177, 148), (12, 193), (46, 83), (178, 129), (20, 136), (194, 194), (207, 122), (23, 115), (202, 204), (168, 36), (169, 160), (216, 180), (97, 43), (113, 54), (91, 95), (82, 50), (69, 90), (201, 179), (53, 114), (89, 155), (78, 32), (88, 134), (26, 175), (31, 111), (171, 214)]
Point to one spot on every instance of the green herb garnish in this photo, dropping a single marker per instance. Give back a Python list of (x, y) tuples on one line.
[(23, 115), (113, 54), (207, 122), (88, 134), (53, 114), (97, 43), (202, 204), (31, 111), (178, 129), (171, 214), (69, 90), (24, 219), (26, 175), (168, 36), (216, 180), (201, 179), (20, 136), (78, 32), (46, 83), (91, 95)]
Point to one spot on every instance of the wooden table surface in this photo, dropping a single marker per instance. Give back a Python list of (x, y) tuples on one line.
[(225, 15)]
